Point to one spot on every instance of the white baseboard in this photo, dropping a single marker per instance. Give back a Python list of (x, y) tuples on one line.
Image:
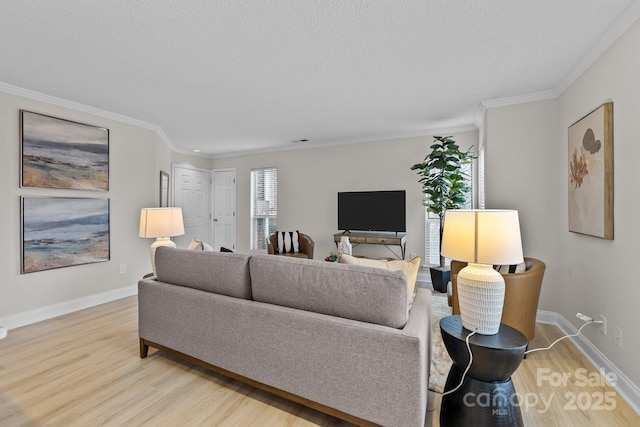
[(43, 313), (623, 386)]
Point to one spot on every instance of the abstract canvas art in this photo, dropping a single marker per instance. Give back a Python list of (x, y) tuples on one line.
[(59, 153), (63, 231), (591, 173)]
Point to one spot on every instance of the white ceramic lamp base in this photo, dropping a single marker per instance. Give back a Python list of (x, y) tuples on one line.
[(481, 298), (160, 241)]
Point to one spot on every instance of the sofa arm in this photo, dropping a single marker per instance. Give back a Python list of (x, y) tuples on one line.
[(419, 323)]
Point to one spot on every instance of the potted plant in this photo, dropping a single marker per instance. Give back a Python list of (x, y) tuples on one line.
[(445, 186)]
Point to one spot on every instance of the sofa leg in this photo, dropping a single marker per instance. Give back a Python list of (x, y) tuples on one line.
[(144, 349)]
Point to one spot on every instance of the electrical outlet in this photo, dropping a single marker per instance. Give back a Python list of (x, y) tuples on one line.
[(123, 268), (617, 336), (603, 325), (583, 317)]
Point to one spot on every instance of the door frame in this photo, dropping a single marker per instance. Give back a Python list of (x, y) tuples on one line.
[(235, 207), (173, 190)]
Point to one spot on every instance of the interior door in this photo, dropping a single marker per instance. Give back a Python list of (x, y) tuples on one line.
[(224, 209), (191, 192)]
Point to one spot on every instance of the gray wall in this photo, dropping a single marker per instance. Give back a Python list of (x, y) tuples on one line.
[(136, 156), (527, 168), (309, 180)]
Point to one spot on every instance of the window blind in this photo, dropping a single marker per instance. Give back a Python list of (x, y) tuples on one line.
[(264, 206)]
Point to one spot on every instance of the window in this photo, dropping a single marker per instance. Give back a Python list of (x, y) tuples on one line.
[(432, 225), (264, 206)]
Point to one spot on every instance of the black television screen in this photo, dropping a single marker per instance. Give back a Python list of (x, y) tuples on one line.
[(372, 210)]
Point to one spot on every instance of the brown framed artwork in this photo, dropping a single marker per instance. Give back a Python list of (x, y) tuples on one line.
[(164, 189), (591, 173), (59, 153)]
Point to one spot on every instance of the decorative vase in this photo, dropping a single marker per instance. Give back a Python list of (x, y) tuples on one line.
[(344, 246)]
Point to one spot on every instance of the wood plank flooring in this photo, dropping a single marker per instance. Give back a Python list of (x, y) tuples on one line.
[(83, 369)]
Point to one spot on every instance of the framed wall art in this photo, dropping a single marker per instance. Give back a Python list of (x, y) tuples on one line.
[(63, 231), (58, 153), (591, 173)]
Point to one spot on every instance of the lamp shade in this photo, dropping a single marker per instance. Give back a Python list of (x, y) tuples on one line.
[(482, 236), (161, 222)]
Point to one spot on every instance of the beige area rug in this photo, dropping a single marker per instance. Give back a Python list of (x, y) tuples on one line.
[(440, 360)]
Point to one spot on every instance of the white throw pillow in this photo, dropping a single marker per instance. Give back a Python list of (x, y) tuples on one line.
[(199, 245), (288, 241), (511, 269), (195, 245)]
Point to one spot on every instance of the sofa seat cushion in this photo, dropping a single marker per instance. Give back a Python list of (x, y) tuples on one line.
[(219, 272), (354, 292), (411, 268)]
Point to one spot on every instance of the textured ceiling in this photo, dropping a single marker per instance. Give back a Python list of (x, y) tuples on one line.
[(253, 75)]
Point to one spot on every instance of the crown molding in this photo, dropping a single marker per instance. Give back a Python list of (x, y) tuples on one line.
[(307, 146), (519, 99), (620, 26), (38, 96)]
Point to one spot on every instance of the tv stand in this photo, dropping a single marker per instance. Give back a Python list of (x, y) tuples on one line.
[(375, 238)]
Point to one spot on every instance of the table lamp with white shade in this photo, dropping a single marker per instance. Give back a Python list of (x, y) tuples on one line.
[(162, 224), (482, 238)]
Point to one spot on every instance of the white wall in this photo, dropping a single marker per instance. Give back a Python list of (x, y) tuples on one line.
[(527, 169), (598, 274), (309, 180), (523, 172), (136, 156)]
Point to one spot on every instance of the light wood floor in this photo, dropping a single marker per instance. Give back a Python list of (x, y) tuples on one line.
[(83, 369)]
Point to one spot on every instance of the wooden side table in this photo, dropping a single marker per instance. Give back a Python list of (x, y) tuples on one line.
[(376, 238), (487, 396)]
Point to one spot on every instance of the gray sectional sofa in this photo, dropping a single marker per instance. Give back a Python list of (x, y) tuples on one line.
[(342, 339)]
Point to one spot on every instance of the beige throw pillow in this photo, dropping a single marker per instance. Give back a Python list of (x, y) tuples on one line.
[(409, 267)]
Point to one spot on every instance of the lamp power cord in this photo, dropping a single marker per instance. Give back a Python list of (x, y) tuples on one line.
[(588, 321), (468, 366)]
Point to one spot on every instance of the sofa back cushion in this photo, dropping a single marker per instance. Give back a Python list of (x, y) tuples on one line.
[(219, 272), (354, 292)]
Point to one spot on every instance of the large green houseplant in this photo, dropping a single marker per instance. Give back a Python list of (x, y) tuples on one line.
[(445, 185)]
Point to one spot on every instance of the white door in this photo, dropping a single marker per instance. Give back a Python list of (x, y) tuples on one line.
[(224, 209), (191, 192)]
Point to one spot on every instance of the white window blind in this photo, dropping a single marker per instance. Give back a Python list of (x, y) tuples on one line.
[(264, 206), (432, 225)]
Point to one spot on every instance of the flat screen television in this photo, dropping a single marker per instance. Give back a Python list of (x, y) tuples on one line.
[(372, 211)]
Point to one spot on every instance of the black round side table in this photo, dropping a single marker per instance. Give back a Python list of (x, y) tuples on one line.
[(487, 396)]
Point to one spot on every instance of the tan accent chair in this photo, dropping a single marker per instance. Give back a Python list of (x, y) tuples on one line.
[(521, 295), (305, 249)]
